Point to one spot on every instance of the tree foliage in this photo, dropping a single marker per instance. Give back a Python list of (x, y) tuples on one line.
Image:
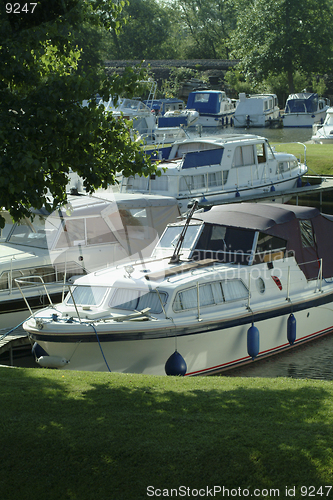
[(147, 32), (44, 129), (283, 36), (209, 24)]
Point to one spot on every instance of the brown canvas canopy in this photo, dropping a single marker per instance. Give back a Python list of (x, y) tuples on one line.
[(309, 234)]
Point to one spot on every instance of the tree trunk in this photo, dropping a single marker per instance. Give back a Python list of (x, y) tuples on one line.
[(291, 82)]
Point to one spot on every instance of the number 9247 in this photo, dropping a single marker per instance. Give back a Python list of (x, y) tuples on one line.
[(17, 8)]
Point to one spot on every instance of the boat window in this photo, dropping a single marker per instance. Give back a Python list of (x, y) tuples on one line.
[(269, 248), (87, 295), (49, 274), (98, 231), (141, 183), (137, 300), (210, 294), (91, 231), (307, 233), (34, 234), (217, 178), (261, 153), (226, 244), (73, 233), (201, 97), (171, 235), (202, 158), (244, 155), (270, 154), (191, 182)]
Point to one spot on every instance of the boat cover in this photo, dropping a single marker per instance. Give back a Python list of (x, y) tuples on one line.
[(309, 234), (303, 102), (206, 102)]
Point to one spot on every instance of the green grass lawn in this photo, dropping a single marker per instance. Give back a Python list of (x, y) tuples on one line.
[(319, 157), (85, 436)]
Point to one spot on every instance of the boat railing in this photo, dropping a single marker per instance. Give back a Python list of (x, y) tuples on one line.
[(29, 283)]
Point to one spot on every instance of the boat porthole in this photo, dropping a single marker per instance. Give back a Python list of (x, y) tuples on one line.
[(260, 285), (308, 315)]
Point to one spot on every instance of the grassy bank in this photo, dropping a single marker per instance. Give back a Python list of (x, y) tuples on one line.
[(85, 436), (319, 156)]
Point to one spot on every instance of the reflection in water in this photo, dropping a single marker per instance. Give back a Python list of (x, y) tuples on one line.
[(313, 360)]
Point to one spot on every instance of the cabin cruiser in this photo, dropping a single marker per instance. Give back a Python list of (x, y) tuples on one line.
[(91, 232), (214, 107), (304, 110), (145, 126), (257, 110), (218, 169), (232, 284), (323, 134)]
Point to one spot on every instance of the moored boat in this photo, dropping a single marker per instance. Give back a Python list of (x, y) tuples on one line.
[(323, 134), (257, 110), (90, 233), (231, 284), (304, 110), (219, 168), (214, 107)]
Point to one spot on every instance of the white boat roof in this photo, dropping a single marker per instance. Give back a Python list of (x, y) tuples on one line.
[(94, 204)]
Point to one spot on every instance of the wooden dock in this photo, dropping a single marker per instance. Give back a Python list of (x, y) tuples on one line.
[(12, 341)]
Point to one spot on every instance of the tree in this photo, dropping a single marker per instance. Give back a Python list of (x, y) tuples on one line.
[(44, 129), (283, 36), (147, 34), (208, 24)]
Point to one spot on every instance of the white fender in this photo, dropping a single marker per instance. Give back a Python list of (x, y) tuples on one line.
[(52, 361)]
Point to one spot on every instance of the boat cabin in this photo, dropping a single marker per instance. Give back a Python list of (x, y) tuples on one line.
[(304, 102), (249, 234), (210, 102)]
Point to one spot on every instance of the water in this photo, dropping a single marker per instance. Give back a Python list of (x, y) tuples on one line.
[(279, 135), (313, 360)]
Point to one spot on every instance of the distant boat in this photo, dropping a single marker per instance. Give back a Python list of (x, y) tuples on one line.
[(257, 110), (304, 110), (323, 134), (217, 169), (162, 106), (214, 107)]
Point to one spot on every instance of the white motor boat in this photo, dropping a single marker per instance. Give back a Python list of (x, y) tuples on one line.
[(90, 233), (214, 107), (218, 169), (304, 110), (232, 284), (257, 110), (144, 122), (323, 134), (180, 117)]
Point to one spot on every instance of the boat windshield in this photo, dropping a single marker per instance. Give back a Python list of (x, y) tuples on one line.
[(35, 234), (87, 295), (171, 235), (226, 244)]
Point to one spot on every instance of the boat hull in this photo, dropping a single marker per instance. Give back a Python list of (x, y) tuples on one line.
[(215, 120), (303, 120), (207, 348)]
